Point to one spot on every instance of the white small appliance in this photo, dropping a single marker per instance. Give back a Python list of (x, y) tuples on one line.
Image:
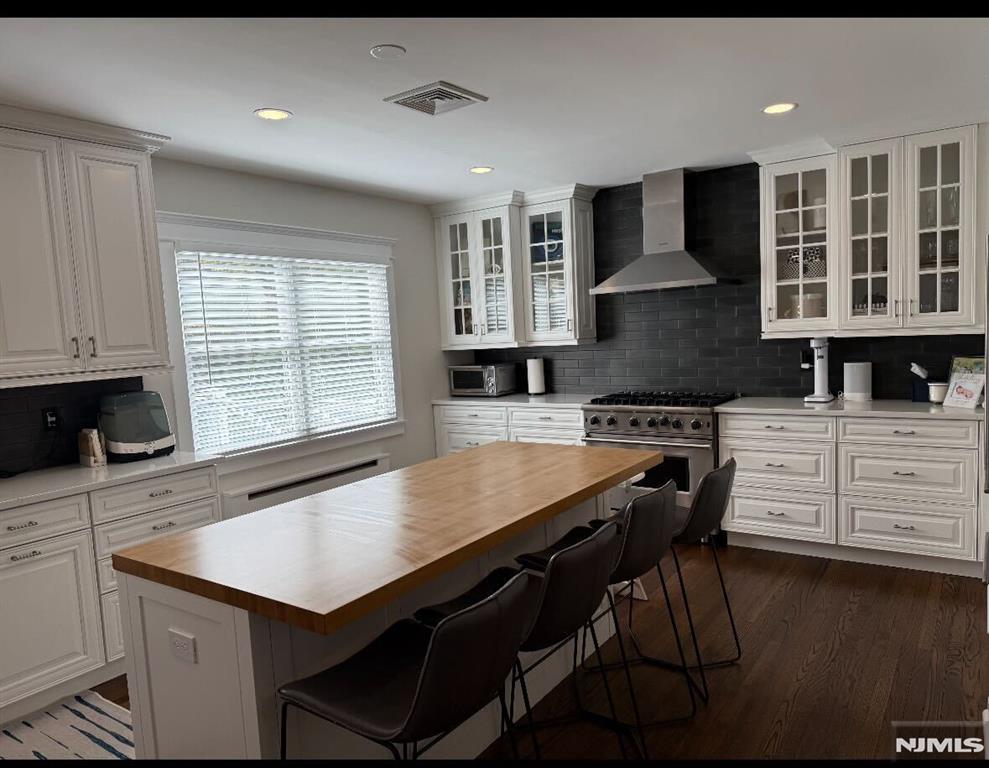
[(821, 394), (858, 382), (536, 376), (135, 426)]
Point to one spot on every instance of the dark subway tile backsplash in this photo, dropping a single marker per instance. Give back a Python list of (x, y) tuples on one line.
[(24, 442), (707, 338)]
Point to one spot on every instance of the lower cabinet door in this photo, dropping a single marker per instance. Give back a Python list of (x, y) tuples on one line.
[(559, 437), (786, 514), (51, 615), (453, 438), (113, 633), (908, 526)]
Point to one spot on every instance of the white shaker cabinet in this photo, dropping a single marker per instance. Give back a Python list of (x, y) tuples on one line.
[(39, 323), (115, 245), (51, 615)]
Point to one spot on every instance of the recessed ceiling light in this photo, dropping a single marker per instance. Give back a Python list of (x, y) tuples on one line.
[(779, 109), (481, 169), (387, 51), (272, 113)]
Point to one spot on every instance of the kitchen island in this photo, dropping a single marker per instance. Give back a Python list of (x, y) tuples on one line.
[(217, 618)]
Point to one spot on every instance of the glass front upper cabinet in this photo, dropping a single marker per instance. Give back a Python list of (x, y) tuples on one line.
[(870, 193), (549, 268), (798, 244), (495, 272), (940, 229), (463, 324)]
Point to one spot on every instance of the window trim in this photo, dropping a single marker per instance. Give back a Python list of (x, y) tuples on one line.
[(189, 232)]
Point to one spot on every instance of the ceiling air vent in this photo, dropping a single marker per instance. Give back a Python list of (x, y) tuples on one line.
[(436, 98)]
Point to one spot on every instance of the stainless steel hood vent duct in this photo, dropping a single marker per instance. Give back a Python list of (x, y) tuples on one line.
[(665, 263)]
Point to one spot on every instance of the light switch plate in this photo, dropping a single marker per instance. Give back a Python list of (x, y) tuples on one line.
[(183, 645)]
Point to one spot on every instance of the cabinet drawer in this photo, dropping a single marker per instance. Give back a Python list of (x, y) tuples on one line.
[(136, 530), (39, 521), (774, 513), (940, 474), (474, 414), (105, 575), (929, 529), (113, 633), (782, 463), (157, 493), (546, 417), (947, 434), (460, 439), (789, 427), (558, 436)]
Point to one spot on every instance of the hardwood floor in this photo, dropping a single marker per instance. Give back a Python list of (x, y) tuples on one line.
[(833, 653)]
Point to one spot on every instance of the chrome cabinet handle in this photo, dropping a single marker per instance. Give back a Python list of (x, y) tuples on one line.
[(156, 494), (92, 344), (471, 443), (896, 307), (22, 526), (904, 432), (569, 324), (904, 474), (163, 526), (910, 308), (776, 466), (771, 426), (769, 314), (775, 514), (32, 553), (904, 527), (75, 343), (475, 329), (474, 415), (545, 418)]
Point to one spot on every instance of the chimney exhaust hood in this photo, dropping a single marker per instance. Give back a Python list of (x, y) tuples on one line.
[(664, 263)]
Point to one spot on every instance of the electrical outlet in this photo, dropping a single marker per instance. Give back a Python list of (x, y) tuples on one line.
[(183, 645), (50, 418)]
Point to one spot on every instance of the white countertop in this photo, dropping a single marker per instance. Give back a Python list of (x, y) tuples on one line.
[(56, 482), (540, 401), (786, 406)]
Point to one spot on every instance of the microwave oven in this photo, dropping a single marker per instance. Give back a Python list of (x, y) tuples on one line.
[(482, 380)]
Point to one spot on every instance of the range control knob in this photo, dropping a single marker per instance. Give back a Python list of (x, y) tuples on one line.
[(664, 421), (612, 421), (594, 420), (634, 421), (677, 424), (651, 421), (696, 424)]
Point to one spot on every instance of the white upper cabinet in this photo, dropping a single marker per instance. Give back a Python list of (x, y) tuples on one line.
[(80, 286), (518, 273), (115, 245), (798, 246), (39, 325), (883, 242), (871, 200), (940, 228)]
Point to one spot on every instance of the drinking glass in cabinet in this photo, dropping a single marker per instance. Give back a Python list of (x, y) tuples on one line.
[(878, 298)]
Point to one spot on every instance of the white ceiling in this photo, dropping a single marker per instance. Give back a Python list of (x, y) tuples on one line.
[(592, 101)]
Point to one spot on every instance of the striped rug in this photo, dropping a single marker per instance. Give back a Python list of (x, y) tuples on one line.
[(81, 727)]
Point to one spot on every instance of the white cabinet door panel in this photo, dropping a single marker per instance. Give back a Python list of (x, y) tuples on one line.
[(805, 516), (937, 474), (781, 464), (39, 324), (933, 432), (113, 633), (114, 241), (929, 529), (776, 427), (51, 619), (453, 438), (43, 520)]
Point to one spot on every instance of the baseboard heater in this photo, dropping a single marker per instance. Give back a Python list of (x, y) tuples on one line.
[(372, 464)]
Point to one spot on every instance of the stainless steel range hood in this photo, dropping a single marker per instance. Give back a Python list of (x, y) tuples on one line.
[(664, 263)]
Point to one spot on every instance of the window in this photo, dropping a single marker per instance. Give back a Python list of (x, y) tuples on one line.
[(279, 348)]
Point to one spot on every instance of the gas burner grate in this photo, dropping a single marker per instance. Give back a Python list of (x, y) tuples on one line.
[(669, 399)]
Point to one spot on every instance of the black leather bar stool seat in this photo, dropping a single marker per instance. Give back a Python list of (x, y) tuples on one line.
[(538, 561), (432, 615)]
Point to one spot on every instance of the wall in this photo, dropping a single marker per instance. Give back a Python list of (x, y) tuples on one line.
[(707, 338), (24, 442), (207, 191)]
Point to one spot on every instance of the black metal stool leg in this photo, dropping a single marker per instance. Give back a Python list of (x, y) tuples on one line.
[(705, 693), (607, 688), (528, 709), (507, 723), (628, 678), (731, 617), (284, 730)]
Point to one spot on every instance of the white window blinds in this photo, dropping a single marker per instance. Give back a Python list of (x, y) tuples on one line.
[(281, 348)]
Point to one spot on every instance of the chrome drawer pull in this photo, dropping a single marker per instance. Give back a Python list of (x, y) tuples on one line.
[(545, 418), (470, 443), (904, 432), (904, 474), (775, 466), (475, 415), (163, 492), (775, 514), (32, 553), (162, 526), (904, 527), (770, 426), (22, 526)]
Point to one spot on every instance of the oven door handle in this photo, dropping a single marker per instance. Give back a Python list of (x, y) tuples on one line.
[(648, 443)]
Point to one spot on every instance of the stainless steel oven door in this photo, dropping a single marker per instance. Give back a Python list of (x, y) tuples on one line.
[(683, 462)]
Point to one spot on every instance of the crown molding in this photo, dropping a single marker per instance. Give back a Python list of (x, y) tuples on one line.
[(81, 130), (575, 191), (477, 203), (796, 151), (194, 220)]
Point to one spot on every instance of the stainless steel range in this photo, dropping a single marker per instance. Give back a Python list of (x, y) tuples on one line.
[(680, 424)]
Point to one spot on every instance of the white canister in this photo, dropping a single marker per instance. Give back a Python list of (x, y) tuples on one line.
[(536, 376), (858, 382), (937, 391)]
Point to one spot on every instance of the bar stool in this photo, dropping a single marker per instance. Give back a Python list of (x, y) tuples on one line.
[(574, 573), (415, 682), (693, 525)]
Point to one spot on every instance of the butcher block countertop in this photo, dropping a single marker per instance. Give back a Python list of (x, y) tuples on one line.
[(326, 560)]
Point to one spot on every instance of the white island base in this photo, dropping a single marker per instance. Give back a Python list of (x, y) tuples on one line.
[(223, 704)]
